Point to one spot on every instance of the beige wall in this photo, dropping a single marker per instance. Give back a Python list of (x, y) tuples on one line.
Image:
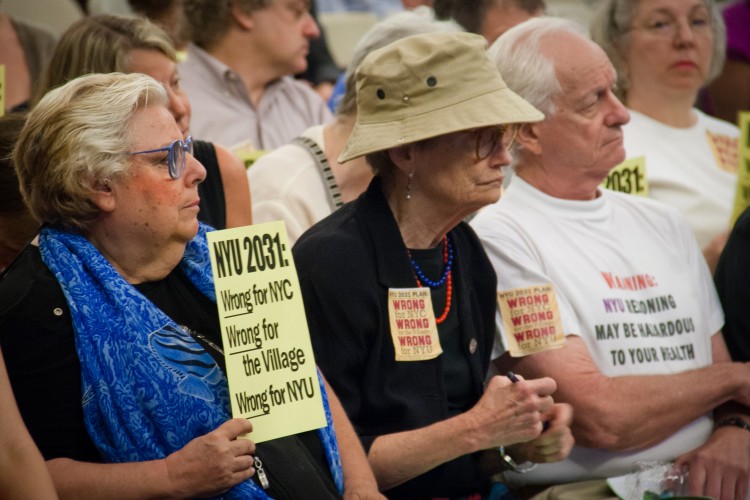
[(55, 15)]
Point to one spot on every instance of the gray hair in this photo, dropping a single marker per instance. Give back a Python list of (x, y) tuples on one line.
[(77, 137), (390, 29), (611, 28), (526, 70)]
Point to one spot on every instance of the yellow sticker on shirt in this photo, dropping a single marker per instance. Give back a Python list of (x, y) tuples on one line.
[(725, 150), (628, 177), (531, 319), (413, 328)]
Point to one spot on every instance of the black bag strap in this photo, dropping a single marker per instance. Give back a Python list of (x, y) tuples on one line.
[(334, 194), (293, 473)]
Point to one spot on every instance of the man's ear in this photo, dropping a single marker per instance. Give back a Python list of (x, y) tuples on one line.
[(528, 136), (243, 19), (102, 195)]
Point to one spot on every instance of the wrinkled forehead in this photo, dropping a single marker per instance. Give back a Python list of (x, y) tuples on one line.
[(580, 64), (152, 126), (670, 7)]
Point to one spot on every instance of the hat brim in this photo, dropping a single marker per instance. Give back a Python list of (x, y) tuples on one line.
[(496, 107)]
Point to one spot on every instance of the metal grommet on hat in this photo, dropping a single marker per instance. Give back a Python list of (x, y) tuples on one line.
[(381, 94), (431, 81)]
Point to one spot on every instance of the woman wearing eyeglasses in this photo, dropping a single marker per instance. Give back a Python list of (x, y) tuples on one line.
[(106, 43), (664, 52), (399, 294), (106, 318)]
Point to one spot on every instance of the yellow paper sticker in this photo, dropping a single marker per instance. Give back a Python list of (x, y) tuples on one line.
[(246, 152), (271, 370), (742, 193), (413, 327), (531, 319), (628, 177), (725, 150)]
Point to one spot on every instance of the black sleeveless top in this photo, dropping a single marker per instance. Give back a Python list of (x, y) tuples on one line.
[(213, 207)]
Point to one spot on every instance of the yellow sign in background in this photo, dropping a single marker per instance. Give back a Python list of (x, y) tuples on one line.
[(628, 177), (742, 194), (270, 365)]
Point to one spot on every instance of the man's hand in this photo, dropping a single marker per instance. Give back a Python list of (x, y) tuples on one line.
[(721, 467), (555, 443)]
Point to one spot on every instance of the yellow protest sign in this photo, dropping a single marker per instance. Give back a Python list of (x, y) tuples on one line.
[(2, 89), (628, 177), (270, 365), (531, 319), (742, 193)]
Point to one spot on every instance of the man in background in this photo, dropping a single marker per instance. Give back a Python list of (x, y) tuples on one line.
[(237, 72)]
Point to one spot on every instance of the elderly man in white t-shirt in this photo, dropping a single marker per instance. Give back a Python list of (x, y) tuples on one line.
[(606, 293)]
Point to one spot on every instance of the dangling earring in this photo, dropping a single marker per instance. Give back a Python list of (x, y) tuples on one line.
[(408, 186)]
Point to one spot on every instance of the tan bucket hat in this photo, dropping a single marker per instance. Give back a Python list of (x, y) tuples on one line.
[(428, 85)]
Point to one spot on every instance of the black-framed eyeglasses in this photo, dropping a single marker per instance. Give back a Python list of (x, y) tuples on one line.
[(487, 139), (176, 152)]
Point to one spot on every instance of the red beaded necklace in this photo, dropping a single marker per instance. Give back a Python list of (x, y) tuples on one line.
[(447, 262)]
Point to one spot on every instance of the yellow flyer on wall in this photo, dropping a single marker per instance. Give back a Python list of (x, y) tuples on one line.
[(270, 365), (742, 193)]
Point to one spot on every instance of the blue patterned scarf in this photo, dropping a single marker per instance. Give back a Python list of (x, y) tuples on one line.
[(148, 387)]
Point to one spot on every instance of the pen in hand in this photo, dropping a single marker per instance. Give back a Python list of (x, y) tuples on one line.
[(513, 378)]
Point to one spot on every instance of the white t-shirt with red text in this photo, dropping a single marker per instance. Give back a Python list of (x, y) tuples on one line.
[(629, 279)]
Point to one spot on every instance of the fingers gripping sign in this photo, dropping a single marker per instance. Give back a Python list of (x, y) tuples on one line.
[(213, 463)]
